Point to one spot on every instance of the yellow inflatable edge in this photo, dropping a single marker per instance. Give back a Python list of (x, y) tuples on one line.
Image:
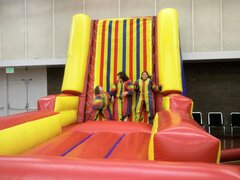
[(151, 142), (18, 139), (67, 106)]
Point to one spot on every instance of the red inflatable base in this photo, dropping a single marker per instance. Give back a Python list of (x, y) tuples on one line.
[(64, 168)]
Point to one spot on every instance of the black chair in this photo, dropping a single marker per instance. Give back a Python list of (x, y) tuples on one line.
[(235, 123), (215, 121), (197, 116)]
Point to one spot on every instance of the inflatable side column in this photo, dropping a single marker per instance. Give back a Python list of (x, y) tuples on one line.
[(168, 61), (75, 69), (175, 135), (76, 65)]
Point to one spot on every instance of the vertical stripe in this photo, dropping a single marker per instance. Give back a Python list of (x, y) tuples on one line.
[(113, 61), (131, 51), (105, 57), (134, 68), (124, 46), (134, 51), (149, 47), (98, 54), (157, 58), (127, 47), (112, 77), (112, 55), (109, 55), (144, 46), (115, 51), (102, 53), (138, 49), (141, 46), (120, 45)]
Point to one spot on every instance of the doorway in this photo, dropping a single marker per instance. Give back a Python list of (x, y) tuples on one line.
[(21, 90)]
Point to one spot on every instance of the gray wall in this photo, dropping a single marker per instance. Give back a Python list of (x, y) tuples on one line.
[(214, 87), (37, 29)]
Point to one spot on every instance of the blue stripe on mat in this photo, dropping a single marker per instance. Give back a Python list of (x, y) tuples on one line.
[(114, 146), (82, 141)]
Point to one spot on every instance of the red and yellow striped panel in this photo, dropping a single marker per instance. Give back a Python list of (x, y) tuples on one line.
[(122, 45)]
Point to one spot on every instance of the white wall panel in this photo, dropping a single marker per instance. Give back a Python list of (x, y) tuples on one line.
[(204, 25), (40, 28), (102, 8), (12, 29), (231, 25), (207, 27), (132, 8), (64, 10), (2, 92)]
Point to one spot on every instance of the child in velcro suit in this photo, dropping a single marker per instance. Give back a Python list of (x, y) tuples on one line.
[(101, 104), (121, 93), (145, 88)]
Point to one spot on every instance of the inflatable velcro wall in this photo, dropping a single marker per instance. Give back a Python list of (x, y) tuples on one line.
[(74, 77)]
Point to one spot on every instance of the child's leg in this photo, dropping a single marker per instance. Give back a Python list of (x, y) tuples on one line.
[(150, 107), (139, 109), (127, 104), (117, 109), (107, 114), (95, 114)]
